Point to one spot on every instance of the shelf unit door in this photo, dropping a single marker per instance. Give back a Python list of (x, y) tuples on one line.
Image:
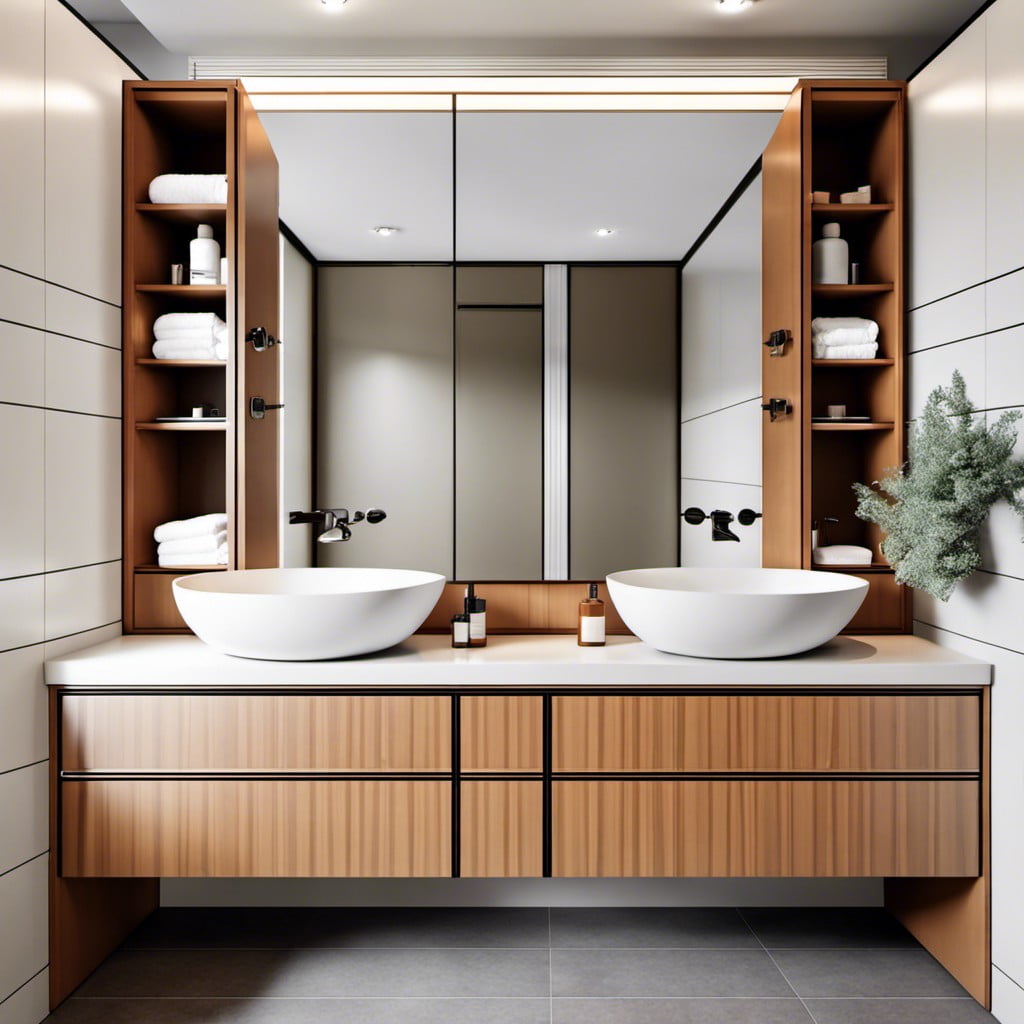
[(256, 272)]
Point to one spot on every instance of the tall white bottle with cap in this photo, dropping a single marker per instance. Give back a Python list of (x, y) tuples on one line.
[(830, 257), (204, 257)]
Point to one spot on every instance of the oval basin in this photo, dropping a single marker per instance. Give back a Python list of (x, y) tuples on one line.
[(735, 613), (306, 614)]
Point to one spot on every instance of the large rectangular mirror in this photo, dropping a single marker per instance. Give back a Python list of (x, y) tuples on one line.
[(499, 367)]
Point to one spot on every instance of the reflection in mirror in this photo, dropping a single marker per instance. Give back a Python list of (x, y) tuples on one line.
[(513, 402)]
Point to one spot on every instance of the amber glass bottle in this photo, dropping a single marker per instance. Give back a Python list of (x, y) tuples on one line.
[(591, 632)]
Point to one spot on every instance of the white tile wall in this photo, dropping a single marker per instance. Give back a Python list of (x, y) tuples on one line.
[(967, 119), (21, 128), (724, 445), (21, 460), (947, 162), (59, 425), (23, 937)]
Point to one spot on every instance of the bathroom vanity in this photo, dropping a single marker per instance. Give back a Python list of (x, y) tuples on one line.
[(531, 757)]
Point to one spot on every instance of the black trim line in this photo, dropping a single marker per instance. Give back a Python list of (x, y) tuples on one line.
[(200, 775), (103, 39), (546, 843), (956, 35), (967, 288), (502, 306), (734, 197), (456, 822), (299, 244)]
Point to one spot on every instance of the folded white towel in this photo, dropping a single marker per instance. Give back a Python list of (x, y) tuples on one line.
[(842, 554), (202, 335), (171, 323), (192, 350), (189, 188), (843, 330), (193, 545), (844, 351), (199, 526), (218, 557)]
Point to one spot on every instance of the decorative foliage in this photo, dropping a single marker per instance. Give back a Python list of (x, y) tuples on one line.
[(932, 510)]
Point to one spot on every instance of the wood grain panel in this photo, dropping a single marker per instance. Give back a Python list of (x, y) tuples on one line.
[(524, 608), (256, 828), (743, 829), (154, 604), (885, 608), (291, 732), (501, 829), (501, 734), (754, 733)]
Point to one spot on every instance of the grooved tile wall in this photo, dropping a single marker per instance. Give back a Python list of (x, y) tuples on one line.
[(720, 449), (966, 125), (60, 426)]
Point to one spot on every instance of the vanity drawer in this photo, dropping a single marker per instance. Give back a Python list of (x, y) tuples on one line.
[(501, 829), (272, 733), (501, 734), (765, 828), (246, 828), (753, 733)]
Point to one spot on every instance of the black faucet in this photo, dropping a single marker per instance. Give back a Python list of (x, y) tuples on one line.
[(334, 522), (720, 521)]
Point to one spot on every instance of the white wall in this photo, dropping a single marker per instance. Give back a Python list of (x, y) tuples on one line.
[(720, 450), (966, 126), (297, 284), (60, 426)]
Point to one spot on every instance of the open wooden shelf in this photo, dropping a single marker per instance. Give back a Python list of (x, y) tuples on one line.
[(185, 428), (180, 569), (852, 426), (853, 210), (182, 364), (849, 364), (850, 291), (186, 213), (185, 291)]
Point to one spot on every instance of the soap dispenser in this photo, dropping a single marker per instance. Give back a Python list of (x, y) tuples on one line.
[(476, 609), (204, 257), (830, 257), (591, 630)]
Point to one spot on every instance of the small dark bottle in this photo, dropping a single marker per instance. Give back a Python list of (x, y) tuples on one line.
[(460, 630), (591, 631), (476, 609)]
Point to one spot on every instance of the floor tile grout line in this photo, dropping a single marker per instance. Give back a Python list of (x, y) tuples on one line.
[(619, 998), (565, 949), (551, 975), (807, 1009)]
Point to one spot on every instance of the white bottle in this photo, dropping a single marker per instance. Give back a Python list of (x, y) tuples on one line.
[(830, 257), (204, 257)]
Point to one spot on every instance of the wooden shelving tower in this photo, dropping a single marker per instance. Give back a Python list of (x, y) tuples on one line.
[(834, 136), (179, 470)]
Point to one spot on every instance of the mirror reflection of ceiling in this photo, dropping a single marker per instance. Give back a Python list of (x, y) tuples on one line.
[(530, 186)]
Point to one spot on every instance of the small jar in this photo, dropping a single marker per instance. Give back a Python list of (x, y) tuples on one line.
[(460, 630)]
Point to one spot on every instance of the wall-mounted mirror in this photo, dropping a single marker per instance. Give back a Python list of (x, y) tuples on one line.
[(500, 370)]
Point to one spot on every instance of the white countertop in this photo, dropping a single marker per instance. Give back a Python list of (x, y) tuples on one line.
[(530, 661)]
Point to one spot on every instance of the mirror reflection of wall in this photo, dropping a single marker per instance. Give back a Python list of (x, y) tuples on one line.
[(501, 371)]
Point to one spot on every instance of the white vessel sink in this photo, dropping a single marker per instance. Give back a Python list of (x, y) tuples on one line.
[(735, 613), (306, 614)]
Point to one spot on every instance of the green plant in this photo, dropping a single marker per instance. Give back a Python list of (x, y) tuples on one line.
[(932, 509)]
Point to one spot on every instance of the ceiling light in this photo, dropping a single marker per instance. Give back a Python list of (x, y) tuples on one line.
[(333, 5), (604, 232), (734, 6), (385, 231)]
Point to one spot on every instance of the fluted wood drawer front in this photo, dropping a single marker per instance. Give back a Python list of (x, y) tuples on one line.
[(243, 828), (755, 733), (501, 829), (501, 734), (762, 828), (291, 732)]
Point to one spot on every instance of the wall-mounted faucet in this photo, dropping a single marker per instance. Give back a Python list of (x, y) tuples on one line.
[(334, 522), (720, 521)]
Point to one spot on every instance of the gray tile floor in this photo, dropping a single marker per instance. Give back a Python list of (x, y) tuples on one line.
[(520, 966)]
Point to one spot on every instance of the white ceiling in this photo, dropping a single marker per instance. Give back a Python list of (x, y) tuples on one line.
[(303, 27), (530, 186)]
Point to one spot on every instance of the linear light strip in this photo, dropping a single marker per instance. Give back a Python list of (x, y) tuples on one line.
[(780, 84), (556, 421), (394, 102), (798, 67), (611, 102)]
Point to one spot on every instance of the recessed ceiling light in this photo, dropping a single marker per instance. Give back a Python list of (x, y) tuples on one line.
[(734, 6), (385, 230), (333, 5), (604, 232)]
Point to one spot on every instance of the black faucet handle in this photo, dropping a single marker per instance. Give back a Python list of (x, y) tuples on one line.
[(694, 516), (747, 516), (375, 515)]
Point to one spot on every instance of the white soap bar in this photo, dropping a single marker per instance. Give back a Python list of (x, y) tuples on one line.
[(842, 554)]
